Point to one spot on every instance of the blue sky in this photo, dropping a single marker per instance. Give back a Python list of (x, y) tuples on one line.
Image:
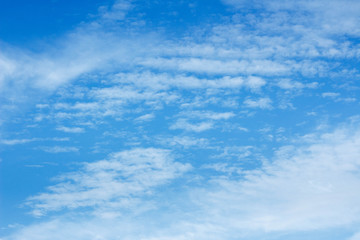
[(221, 119)]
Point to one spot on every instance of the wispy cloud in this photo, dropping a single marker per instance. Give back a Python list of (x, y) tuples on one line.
[(237, 152), (17, 141), (340, 15), (29, 140), (209, 115), (330, 94), (303, 188), (59, 149), (112, 182), (71, 129), (145, 117), (160, 81), (206, 85), (210, 66), (196, 127), (263, 103), (117, 11), (300, 190), (295, 85), (184, 141)]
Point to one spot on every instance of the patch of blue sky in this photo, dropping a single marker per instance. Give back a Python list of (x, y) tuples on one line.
[(24, 23)]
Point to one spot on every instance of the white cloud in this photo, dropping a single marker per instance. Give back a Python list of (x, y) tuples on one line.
[(41, 106), (17, 141), (330, 94), (112, 183), (211, 66), (229, 57), (290, 84), (59, 149), (7, 68), (70, 129), (195, 127), (237, 152), (88, 48), (223, 168), (208, 115), (255, 82), (199, 121), (219, 116), (64, 139), (243, 129), (263, 103), (356, 236), (117, 11), (162, 81), (145, 117), (28, 140), (307, 187), (125, 94), (327, 17), (241, 51), (184, 141)]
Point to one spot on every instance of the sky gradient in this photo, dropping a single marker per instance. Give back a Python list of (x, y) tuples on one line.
[(181, 120)]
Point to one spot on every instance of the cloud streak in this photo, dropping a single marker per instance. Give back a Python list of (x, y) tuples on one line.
[(115, 182)]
